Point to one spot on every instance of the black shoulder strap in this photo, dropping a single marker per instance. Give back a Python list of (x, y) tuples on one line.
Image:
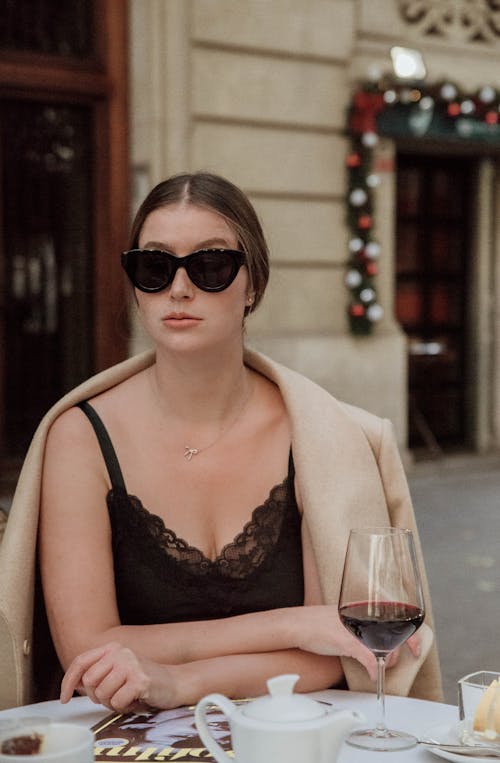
[(291, 466), (108, 452)]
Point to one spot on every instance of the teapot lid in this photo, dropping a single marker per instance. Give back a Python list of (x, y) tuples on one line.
[(282, 705)]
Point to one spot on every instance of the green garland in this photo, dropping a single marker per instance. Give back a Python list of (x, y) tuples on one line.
[(370, 101)]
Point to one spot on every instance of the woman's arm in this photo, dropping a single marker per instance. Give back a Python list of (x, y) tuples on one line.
[(123, 680), (315, 628)]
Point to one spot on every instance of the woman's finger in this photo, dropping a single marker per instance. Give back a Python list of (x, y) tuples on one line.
[(73, 676), (368, 660), (125, 700), (106, 686), (392, 659), (414, 644), (98, 672), (107, 690)]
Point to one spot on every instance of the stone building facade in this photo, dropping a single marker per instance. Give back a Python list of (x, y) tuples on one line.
[(258, 91)]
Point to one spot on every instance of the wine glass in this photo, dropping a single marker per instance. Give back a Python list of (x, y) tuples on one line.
[(381, 603)]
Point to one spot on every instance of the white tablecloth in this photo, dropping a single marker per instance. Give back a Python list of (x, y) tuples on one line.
[(413, 715)]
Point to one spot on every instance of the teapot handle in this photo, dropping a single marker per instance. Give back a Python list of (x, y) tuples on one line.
[(200, 716)]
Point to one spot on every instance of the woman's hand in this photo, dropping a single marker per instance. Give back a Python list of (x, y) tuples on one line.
[(319, 629), (117, 677)]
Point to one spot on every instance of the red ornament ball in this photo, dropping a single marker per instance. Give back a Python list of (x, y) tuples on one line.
[(491, 118), (365, 222), (371, 268), (454, 109), (357, 311), (353, 160)]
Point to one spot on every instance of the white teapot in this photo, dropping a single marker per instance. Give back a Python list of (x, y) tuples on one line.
[(281, 726)]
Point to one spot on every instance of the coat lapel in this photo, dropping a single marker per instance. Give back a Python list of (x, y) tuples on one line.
[(327, 445)]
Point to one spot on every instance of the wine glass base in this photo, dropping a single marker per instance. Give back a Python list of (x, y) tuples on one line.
[(388, 741)]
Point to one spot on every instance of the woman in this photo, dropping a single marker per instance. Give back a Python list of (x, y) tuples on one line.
[(228, 501)]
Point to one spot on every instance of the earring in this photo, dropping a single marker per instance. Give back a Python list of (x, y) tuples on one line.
[(250, 300)]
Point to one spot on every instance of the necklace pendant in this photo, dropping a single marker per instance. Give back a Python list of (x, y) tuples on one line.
[(190, 452)]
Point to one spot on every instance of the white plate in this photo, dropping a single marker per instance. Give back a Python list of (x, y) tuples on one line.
[(450, 734)]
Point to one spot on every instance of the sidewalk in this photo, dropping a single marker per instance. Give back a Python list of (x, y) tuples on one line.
[(457, 506)]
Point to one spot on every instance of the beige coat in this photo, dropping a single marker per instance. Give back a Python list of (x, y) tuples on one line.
[(349, 473)]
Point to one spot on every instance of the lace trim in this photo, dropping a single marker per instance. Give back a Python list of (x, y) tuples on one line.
[(238, 558)]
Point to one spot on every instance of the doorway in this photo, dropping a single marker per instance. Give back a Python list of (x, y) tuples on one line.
[(63, 206), (47, 267), (433, 249)]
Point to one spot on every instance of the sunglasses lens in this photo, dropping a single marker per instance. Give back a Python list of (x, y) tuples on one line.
[(212, 270), (208, 269), (152, 271)]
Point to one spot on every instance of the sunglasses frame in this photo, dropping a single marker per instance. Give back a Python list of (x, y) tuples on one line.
[(129, 260)]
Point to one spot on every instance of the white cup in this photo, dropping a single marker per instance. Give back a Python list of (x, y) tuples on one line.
[(60, 742)]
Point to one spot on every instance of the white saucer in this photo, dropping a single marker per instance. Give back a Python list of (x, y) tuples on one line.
[(450, 734)]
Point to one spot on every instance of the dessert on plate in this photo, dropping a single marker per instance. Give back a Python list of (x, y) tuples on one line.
[(487, 716)]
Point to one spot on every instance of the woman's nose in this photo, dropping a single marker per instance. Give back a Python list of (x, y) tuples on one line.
[(182, 287)]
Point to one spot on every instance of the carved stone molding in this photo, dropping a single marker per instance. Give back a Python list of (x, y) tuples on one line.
[(459, 21)]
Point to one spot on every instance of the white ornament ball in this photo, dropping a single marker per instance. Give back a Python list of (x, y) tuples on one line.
[(355, 245), (369, 139), (372, 250), (374, 312), (358, 197), (367, 295), (426, 103), (487, 94), (448, 92), (372, 180), (390, 96), (353, 279), (467, 107)]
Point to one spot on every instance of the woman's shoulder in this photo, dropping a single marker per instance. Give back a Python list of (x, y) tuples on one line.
[(108, 402), (69, 440), (67, 425)]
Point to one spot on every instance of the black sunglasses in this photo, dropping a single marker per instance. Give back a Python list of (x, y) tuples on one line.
[(153, 270)]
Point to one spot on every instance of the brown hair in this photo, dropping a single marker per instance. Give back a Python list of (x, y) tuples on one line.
[(220, 195)]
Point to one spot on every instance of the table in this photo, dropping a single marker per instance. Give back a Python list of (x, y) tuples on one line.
[(413, 715)]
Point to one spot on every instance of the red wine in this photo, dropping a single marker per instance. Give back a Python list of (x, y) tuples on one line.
[(381, 626)]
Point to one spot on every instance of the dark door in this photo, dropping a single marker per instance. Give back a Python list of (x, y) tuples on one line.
[(48, 264), (433, 212), (63, 204)]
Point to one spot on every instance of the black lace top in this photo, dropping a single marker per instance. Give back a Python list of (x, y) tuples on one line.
[(161, 578)]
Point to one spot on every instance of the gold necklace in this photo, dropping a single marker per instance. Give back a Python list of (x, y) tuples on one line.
[(189, 451)]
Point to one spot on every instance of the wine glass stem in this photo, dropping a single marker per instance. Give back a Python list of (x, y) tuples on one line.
[(381, 728)]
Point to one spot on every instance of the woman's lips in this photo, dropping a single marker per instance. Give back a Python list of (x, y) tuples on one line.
[(181, 319)]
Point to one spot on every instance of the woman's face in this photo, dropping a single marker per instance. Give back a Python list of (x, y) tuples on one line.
[(183, 317)]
